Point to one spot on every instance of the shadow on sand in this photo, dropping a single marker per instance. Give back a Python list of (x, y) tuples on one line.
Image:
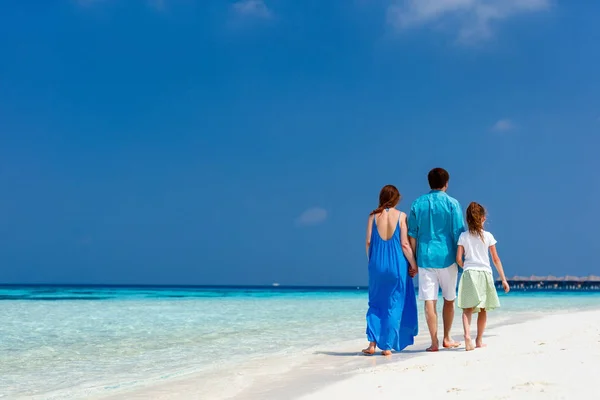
[(359, 353), (418, 350)]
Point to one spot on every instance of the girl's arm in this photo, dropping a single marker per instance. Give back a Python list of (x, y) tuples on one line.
[(460, 252), (369, 229), (406, 246), (498, 264)]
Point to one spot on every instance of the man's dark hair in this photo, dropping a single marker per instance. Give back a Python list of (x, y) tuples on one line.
[(438, 177)]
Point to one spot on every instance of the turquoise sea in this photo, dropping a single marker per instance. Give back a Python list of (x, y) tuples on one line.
[(83, 341)]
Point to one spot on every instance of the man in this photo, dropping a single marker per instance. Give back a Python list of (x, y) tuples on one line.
[(434, 225)]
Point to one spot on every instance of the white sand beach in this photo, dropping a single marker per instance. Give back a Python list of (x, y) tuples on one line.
[(549, 356), (554, 357)]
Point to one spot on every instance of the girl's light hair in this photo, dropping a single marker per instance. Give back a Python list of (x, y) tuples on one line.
[(475, 216)]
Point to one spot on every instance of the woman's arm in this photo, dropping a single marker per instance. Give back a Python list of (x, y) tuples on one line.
[(406, 246), (459, 255), (369, 229), (498, 264)]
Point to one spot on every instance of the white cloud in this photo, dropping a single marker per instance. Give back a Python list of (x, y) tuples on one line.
[(503, 125), (312, 216), (473, 19), (157, 4), (252, 8)]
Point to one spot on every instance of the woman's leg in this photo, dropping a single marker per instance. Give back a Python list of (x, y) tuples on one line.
[(481, 322), (466, 317)]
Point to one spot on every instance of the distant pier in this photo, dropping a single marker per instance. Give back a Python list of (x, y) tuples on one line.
[(587, 283)]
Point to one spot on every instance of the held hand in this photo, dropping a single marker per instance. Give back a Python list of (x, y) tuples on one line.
[(412, 271), (505, 286)]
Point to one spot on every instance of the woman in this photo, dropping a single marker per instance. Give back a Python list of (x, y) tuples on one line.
[(392, 316)]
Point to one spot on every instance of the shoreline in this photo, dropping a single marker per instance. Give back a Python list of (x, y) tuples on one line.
[(328, 371)]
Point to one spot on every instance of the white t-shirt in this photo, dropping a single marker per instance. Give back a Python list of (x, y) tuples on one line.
[(477, 250)]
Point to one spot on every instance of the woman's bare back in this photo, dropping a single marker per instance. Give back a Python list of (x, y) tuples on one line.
[(387, 222)]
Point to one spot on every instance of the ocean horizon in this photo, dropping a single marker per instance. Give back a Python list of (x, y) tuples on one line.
[(45, 291)]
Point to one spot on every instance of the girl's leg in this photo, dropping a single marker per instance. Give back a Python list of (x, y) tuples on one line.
[(481, 322), (467, 313), (371, 349)]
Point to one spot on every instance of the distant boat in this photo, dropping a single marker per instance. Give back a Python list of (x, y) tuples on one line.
[(275, 284)]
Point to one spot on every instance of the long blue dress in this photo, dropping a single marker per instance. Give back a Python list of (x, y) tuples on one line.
[(392, 317)]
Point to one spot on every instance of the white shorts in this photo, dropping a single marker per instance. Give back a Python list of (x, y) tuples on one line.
[(432, 279)]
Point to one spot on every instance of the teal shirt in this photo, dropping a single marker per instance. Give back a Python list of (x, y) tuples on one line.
[(436, 221)]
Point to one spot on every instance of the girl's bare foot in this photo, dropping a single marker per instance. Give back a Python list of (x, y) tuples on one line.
[(479, 343), (469, 344), (386, 352), (369, 350)]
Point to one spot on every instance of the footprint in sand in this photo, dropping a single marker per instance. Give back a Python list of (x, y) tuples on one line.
[(453, 390), (532, 386), (535, 353), (421, 367)]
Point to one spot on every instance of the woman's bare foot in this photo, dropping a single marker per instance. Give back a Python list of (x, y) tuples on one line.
[(469, 344), (386, 353), (479, 343), (369, 350), (450, 344)]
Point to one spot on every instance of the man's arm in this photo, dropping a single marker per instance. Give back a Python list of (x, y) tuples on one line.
[(413, 230)]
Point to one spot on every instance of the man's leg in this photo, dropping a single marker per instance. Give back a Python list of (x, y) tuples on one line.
[(428, 292), (432, 323), (448, 279), (448, 315)]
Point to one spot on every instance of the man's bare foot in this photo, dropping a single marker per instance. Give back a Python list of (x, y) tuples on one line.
[(435, 346), (386, 353), (469, 344), (450, 344), (479, 343)]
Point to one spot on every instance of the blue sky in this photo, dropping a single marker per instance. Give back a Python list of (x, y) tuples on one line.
[(214, 142)]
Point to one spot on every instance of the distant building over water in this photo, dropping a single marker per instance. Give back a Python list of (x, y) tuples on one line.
[(588, 283)]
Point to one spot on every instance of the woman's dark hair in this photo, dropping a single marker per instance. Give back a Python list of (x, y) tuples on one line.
[(438, 177), (389, 197), (475, 216)]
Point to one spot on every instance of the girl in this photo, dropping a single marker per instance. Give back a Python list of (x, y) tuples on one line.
[(476, 290), (392, 316)]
